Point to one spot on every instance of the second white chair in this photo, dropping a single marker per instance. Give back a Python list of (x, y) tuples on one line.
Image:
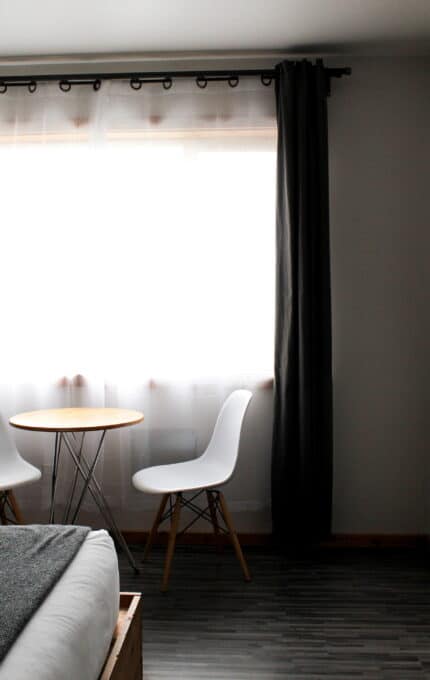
[(203, 475), (14, 472)]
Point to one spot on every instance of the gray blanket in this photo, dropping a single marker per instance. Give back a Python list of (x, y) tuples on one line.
[(32, 559)]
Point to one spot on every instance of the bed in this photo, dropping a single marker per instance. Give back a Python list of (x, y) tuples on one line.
[(83, 629)]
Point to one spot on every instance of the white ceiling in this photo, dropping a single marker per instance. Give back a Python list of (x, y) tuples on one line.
[(72, 27)]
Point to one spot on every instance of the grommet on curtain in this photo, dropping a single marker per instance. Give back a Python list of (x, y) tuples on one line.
[(266, 80), (65, 85), (136, 83), (30, 85), (201, 82)]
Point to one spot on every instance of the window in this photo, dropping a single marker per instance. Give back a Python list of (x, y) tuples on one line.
[(137, 256)]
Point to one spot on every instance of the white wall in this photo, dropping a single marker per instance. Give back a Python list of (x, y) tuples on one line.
[(379, 133), (380, 242), (379, 121), (379, 128)]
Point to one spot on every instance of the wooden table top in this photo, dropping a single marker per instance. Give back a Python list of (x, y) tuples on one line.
[(76, 419)]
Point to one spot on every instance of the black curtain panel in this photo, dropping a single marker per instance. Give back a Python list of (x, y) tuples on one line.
[(302, 432)]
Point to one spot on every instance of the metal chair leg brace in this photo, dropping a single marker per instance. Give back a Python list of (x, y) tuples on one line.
[(216, 509)]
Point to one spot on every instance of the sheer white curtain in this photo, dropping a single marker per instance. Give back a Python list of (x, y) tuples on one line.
[(137, 264)]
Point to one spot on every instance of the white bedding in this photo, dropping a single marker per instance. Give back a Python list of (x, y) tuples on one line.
[(68, 637)]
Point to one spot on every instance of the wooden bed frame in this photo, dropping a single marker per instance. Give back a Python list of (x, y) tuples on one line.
[(124, 661)]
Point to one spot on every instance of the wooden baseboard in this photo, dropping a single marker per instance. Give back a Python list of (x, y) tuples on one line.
[(372, 541), (376, 541), (197, 538)]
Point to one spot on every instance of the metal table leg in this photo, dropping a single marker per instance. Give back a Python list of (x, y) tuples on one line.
[(86, 471), (57, 450), (75, 481)]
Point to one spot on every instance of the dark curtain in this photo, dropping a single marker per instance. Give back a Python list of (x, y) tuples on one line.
[(302, 432)]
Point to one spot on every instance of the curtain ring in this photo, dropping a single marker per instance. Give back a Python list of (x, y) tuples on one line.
[(32, 86), (233, 81), (135, 84), (97, 84), (167, 83), (65, 85), (201, 82), (3, 87), (266, 80)]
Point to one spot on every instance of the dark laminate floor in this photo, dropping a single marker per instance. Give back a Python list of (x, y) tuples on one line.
[(336, 615)]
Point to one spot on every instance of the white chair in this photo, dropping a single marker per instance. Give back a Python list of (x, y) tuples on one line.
[(201, 475), (14, 472)]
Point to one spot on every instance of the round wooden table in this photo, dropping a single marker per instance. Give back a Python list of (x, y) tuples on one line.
[(66, 423)]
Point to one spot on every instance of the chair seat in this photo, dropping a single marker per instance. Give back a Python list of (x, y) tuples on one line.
[(206, 474), (187, 476), (17, 473)]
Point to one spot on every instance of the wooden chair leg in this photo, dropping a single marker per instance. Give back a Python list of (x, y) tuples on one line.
[(3, 497), (155, 525), (233, 537), (214, 518), (15, 507), (171, 542), (8, 500)]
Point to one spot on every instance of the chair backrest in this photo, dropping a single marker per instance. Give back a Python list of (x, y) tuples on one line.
[(223, 447), (8, 451)]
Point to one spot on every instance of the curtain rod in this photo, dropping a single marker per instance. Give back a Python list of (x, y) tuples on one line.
[(137, 78)]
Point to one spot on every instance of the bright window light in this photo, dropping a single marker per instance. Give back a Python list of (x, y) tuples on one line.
[(138, 259)]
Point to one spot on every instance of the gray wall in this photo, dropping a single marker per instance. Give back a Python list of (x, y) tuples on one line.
[(379, 122), (379, 127), (380, 243)]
